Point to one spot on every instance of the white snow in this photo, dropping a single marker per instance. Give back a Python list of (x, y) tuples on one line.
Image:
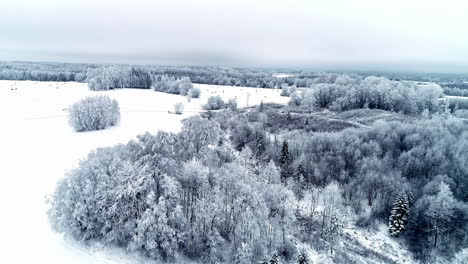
[(283, 75), (39, 146)]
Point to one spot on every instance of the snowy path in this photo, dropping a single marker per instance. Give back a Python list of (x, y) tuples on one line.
[(38, 146)]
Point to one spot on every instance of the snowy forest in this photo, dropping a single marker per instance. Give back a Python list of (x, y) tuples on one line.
[(251, 185), (269, 183)]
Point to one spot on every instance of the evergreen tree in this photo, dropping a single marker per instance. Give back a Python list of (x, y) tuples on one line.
[(300, 174), (399, 215), (259, 143), (288, 116), (285, 162), (299, 179), (273, 260), (261, 107), (302, 258)]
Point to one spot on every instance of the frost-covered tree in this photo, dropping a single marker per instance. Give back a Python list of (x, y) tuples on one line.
[(440, 211), (214, 103), (308, 99), (332, 232), (232, 104), (461, 257), (194, 92), (94, 113), (179, 108)]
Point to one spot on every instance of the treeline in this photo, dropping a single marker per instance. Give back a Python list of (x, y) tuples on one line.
[(114, 77), (250, 78), (56, 72), (371, 92), (455, 91)]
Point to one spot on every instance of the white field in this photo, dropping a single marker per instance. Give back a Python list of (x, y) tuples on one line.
[(283, 75), (39, 146)]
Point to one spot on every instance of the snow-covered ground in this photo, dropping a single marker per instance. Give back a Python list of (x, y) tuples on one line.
[(39, 146)]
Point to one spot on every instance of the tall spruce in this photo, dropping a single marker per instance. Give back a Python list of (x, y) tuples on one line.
[(399, 215), (259, 143), (285, 162), (302, 258)]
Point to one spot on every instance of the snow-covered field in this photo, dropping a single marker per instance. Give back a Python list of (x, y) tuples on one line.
[(39, 146), (283, 75)]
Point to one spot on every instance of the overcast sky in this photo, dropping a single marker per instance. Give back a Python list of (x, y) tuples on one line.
[(273, 33)]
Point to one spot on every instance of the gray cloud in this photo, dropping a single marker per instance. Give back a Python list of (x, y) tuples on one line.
[(251, 33)]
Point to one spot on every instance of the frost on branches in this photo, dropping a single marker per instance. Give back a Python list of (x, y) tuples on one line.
[(94, 113)]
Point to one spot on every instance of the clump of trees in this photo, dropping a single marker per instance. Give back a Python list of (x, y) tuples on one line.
[(371, 92), (167, 84), (170, 194), (94, 113), (113, 77), (214, 103), (194, 92)]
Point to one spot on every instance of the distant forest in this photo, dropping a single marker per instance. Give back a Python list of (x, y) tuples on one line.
[(258, 78)]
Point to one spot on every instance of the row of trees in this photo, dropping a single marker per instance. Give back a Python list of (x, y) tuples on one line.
[(113, 77), (56, 72), (456, 91)]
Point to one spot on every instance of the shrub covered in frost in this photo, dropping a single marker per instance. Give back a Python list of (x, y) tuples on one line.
[(214, 103), (179, 108), (94, 113), (194, 92)]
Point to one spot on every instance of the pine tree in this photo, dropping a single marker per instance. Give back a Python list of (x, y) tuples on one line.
[(273, 260), (288, 116), (261, 107), (299, 180), (259, 143), (285, 162), (300, 174), (302, 258), (399, 215)]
